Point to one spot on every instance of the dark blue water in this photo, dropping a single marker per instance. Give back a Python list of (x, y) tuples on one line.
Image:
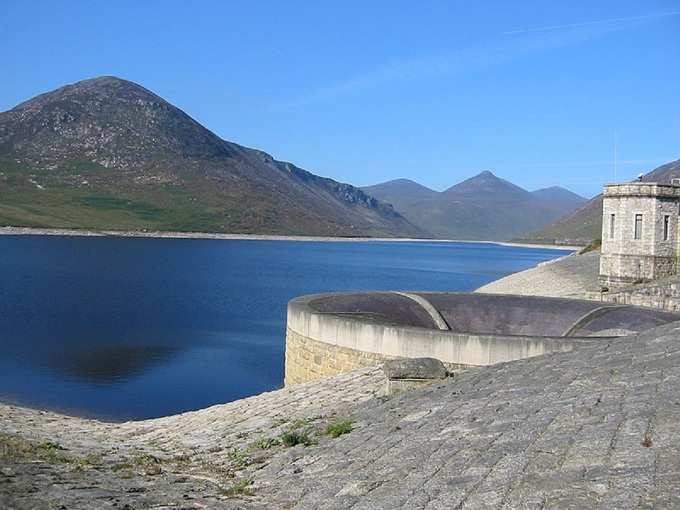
[(134, 328)]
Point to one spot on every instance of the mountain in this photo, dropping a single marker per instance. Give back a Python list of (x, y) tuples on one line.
[(578, 227), (488, 185), (106, 153), (585, 224), (664, 173), (484, 207), (400, 189), (559, 198)]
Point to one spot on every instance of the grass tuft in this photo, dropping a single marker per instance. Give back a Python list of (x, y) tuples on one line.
[(242, 488), (296, 437), (240, 458), (593, 246), (339, 428), (266, 443)]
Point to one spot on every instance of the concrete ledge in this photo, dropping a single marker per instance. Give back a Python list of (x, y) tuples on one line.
[(411, 342)]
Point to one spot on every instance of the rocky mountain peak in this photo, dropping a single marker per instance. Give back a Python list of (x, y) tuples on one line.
[(487, 182), (107, 120)]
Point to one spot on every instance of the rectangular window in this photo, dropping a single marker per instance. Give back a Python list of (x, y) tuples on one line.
[(612, 225), (638, 226), (666, 221)]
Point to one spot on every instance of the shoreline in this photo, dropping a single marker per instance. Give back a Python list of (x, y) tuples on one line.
[(35, 231), (571, 276)]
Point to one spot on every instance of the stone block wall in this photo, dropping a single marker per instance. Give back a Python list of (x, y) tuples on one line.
[(308, 360), (663, 295), (623, 269)]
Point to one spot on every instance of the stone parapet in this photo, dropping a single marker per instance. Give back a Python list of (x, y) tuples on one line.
[(641, 189)]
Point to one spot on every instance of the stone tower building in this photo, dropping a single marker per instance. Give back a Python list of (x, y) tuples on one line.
[(640, 232)]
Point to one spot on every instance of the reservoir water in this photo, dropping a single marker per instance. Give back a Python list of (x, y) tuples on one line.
[(132, 328)]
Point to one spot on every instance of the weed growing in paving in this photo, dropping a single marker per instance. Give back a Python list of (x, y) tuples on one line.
[(240, 458), (339, 428), (266, 443), (301, 423), (14, 448), (51, 452), (88, 462), (149, 464), (241, 488), (296, 437)]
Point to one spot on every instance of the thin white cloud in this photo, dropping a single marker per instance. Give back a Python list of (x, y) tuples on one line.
[(469, 59), (589, 23), (436, 66)]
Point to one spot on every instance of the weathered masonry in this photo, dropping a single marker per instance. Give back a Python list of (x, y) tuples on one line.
[(640, 240)]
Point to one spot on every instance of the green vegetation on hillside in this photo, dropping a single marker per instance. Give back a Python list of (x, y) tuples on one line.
[(108, 201), (163, 207), (107, 154), (596, 245)]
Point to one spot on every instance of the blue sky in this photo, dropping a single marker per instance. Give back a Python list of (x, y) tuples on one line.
[(364, 92)]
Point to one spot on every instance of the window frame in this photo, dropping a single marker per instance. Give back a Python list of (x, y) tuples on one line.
[(637, 232)]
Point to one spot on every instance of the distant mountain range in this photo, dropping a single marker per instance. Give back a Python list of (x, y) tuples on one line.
[(585, 224), (484, 207), (106, 153)]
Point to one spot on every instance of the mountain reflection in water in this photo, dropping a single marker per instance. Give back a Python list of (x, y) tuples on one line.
[(108, 365)]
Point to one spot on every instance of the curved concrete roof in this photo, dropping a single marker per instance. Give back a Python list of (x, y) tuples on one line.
[(491, 314)]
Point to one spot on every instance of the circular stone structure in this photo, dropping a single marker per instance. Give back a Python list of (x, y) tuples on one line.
[(328, 334)]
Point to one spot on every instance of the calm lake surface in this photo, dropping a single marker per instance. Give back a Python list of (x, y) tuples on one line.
[(123, 328)]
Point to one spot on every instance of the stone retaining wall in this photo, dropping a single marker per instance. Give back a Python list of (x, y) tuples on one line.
[(664, 295), (308, 360)]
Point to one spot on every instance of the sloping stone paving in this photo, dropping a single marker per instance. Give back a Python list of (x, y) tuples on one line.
[(572, 276), (593, 428), (599, 427), (190, 460)]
